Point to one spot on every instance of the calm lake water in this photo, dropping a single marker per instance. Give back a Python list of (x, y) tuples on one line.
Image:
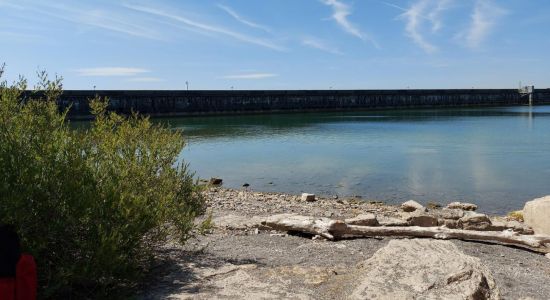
[(495, 157)]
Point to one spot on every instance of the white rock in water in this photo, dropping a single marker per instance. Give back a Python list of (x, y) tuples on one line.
[(536, 214), (463, 206), (424, 269), (411, 206), (308, 197)]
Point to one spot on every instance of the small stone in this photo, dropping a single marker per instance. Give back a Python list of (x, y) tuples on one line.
[(463, 206), (433, 205), (329, 214), (308, 197), (411, 206), (451, 224), (215, 181), (519, 227), (497, 225), (363, 220), (256, 231), (335, 197), (547, 255)]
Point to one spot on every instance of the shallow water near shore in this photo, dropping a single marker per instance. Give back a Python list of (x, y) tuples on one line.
[(497, 157)]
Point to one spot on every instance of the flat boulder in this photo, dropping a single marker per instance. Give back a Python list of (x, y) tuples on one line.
[(391, 221), (363, 220), (536, 214), (449, 213), (462, 205), (411, 206), (422, 219), (423, 269), (475, 221)]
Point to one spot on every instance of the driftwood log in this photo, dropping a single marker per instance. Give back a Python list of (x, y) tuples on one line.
[(336, 229)]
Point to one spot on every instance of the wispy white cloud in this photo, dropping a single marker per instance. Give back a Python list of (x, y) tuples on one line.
[(484, 18), (250, 76), (110, 71), (401, 8), (9, 4), (340, 13), (320, 45), (435, 15), (102, 19), (413, 18), (145, 79), (21, 36), (420, 12), (207, 27), (239, 18)]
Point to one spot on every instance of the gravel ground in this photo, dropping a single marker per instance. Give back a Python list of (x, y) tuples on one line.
[(275, 263)]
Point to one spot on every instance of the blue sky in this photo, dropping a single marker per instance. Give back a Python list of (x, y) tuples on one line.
[(279, 44)]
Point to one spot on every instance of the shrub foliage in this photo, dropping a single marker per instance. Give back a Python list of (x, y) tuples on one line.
[(89, 204)]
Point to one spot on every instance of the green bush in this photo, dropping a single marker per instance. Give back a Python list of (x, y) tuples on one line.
[(89, 204)]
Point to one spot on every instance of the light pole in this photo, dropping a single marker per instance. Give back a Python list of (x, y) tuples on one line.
[(187, 85)]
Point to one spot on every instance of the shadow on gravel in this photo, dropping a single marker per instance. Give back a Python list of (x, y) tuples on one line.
[(174, 270)]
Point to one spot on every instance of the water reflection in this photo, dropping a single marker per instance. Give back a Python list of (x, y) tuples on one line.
[(225, 126)]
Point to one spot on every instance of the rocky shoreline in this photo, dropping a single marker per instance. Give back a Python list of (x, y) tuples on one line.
[(240, 258)]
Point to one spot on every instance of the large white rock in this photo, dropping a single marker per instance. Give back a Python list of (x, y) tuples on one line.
[(424, 269), (536, 214)]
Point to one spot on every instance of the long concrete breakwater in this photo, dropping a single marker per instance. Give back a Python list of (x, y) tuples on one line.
[(187, 103)]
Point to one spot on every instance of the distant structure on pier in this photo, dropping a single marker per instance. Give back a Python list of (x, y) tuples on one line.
[(527, 91)]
